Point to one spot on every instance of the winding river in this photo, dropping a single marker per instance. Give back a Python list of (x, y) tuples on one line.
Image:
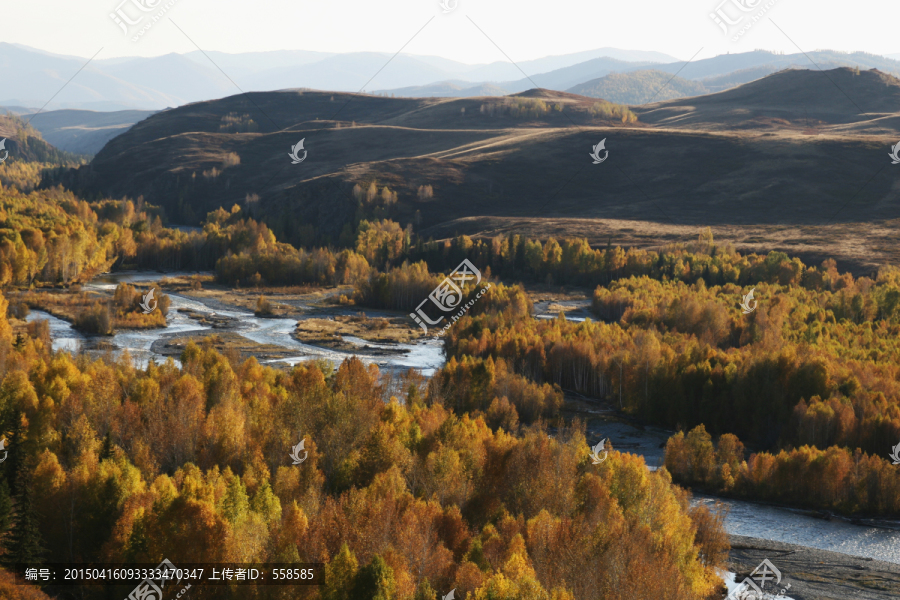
[(425, 356), (744, 518)]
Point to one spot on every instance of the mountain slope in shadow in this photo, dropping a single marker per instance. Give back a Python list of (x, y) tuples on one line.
[(794, 148)]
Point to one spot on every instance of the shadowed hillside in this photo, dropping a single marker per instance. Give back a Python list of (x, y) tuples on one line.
[(823, 101), (789, 150), (196, 158), (25, 143)]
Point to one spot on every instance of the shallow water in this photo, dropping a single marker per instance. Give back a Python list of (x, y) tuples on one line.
[(425, 356), (785, 525), (576, 310), (62, 336), (748, 518)]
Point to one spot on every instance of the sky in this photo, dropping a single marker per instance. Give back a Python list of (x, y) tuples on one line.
[(475, 31)]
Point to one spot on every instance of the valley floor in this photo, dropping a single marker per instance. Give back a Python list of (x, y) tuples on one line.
[(858, 247)]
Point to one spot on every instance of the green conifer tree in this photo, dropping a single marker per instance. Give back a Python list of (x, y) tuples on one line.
[(339, 575), (235, 503), (6, 508), (424, 591), (23, 544), (375, 581)]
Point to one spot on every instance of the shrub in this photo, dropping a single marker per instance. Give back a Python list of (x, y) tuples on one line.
[(263, 307)]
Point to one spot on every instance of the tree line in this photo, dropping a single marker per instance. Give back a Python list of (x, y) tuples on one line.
[(836, 478)]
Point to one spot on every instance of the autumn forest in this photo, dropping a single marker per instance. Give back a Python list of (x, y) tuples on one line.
[(470, 479)]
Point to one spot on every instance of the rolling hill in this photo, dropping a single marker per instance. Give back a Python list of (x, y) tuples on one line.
[(639, 87), (25, 143), (787, 161), (837, 101)]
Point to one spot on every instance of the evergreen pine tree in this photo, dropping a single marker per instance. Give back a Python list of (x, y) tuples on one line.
[(106, 448), (375, 581), (138, 542), (424, 591), (6, 507), (235, 503), (12, 467), (23, 544), (339, 575)]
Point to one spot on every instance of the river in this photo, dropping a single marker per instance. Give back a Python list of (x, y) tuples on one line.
[(425, 356), (743, 518)]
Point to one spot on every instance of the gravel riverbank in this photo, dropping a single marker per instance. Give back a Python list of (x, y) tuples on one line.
[(817, 574)]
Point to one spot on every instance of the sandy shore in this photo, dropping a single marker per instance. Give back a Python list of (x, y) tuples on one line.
[(817, 574)]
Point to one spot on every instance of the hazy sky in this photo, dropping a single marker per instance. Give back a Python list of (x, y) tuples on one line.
[(524, 30)]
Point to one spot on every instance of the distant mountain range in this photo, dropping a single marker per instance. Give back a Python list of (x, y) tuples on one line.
[(133, 88), (31, 77), (713, 74)]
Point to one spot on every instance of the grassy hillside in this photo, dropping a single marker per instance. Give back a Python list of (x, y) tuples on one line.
[(639, 87), (795, 161), (25, 143), (194, 159), (841, 100), (28, 158)]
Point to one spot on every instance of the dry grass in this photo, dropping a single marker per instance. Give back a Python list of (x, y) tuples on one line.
[(859, 247), (79, 308), (229, 343), (330, 332), (284, 301)]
